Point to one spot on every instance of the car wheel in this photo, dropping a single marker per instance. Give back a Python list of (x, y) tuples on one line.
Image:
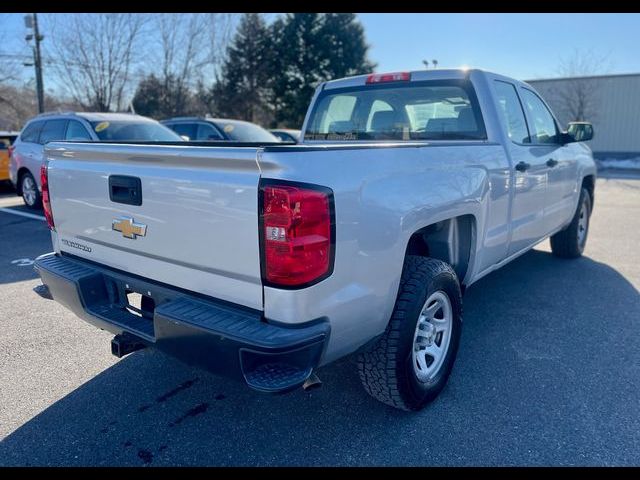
[(30, 193), (570, 242), (410, 364)]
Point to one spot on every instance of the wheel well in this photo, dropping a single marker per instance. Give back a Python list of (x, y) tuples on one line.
[(21, 172), (448, 240), (589, 182)]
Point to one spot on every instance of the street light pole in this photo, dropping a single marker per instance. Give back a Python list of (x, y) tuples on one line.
[(38, 62), (31, 22)]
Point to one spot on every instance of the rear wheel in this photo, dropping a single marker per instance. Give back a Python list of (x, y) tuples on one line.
[(410, 364), (30, 193), (570, 242)]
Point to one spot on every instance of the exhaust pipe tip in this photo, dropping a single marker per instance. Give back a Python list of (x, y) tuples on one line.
[(311, 383)]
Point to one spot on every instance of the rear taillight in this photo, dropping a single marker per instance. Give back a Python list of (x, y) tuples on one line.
[(11, 149), (297, 233), (46, 202), (389, 77)]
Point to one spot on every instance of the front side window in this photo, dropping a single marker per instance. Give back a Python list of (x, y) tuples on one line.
[(208, 132), (511, 110), (76, 132), (32, 132), (134, 131), (246, 132), (52, 130), (187, 129), (543, 127), (432, 110)]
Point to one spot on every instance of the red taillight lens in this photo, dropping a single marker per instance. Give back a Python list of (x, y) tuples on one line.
[(46, 203), (297, 232), (389, 77)]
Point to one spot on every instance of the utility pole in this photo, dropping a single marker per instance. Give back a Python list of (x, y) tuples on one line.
[(32, 22)]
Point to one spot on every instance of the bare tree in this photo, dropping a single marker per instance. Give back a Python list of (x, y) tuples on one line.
[(576, 96), (93, 56), (183, 52)]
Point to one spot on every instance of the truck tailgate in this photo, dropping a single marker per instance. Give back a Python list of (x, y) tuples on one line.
[(196, 227)]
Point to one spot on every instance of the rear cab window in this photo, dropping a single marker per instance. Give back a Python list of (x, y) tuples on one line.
[(398, 111)]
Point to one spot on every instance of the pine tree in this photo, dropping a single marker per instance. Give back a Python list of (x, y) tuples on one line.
[(241, 89), (309, 48)]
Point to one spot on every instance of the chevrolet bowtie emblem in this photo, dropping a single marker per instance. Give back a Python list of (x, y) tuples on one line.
[(129, 228)]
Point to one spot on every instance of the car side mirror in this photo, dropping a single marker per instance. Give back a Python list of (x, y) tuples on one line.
[(579, 132), (185, 138)]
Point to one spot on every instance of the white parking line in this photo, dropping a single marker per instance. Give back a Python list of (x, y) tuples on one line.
[(23, 214)]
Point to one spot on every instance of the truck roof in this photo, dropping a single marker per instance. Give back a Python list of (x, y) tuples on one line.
[(416, 75)]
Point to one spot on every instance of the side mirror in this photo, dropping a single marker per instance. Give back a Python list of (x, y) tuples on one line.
[(580, 131), (185, 138)]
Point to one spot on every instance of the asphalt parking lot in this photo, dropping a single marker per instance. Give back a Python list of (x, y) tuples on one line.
[(548, 373)]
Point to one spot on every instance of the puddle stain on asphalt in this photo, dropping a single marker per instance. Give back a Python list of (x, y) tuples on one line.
[(175, 391), (197, 410)]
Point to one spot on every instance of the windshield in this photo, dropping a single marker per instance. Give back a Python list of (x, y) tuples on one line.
[(434, 110), (123, 130), (246, 132)]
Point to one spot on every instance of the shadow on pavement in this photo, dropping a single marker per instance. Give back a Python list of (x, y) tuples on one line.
[(545, 375), (6, 189)]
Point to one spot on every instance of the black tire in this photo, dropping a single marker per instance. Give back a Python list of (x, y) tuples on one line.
[(386, 369), (36, 203), (566, 243)]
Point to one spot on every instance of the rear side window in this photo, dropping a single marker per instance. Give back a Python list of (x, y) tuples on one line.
[(52, 130), (32, 132), (76, 131), (430, 110), (208, 132), (187, 129), (511, 110)]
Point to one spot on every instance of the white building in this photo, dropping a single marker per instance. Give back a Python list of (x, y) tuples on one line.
[(610, 102)]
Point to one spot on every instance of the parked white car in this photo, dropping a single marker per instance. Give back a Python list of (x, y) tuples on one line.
[(28, 150)]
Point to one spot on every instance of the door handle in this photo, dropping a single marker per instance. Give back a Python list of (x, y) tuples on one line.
[(551, 163), (125, 189), (523, 166)]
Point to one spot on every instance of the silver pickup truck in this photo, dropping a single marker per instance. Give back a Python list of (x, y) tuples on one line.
[(264, 262)]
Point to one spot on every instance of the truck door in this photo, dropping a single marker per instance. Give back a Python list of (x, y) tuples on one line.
[(561, 194), (529, 170)]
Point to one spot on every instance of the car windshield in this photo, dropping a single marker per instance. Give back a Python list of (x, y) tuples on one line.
[(432, 110), (246, 132), (123, 130)]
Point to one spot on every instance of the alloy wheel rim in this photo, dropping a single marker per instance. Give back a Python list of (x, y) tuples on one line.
[(29, 191), (432, 336), (583, 223)]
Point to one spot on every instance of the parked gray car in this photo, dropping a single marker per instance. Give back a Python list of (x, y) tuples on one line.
[(28, 150), (206, 129)]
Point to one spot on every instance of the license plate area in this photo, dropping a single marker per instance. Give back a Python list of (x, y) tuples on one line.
[(139, 304)]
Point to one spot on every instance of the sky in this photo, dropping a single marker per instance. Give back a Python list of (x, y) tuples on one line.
[(524, 46), (521, 45)]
